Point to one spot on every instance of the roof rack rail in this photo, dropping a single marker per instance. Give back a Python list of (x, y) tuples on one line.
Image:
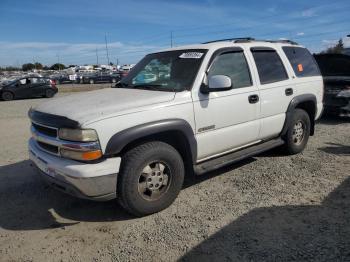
[(231, 39), (249, 39), (285, 41)]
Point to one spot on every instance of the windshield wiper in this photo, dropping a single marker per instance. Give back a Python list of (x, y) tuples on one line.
[(123, 85)]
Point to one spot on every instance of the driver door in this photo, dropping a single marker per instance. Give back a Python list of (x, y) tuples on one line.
[(227, 120), (22, 88)]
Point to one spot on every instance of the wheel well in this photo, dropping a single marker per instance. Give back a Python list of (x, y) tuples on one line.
[(310, 108), (8, 91), (174, 138)]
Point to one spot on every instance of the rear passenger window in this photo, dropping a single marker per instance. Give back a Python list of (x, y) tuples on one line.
[(270, 66), (302, 61), (233, 65)]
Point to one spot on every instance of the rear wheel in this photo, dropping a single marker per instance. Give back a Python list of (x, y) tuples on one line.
[(49, 93), (7, 96), (150, 179), (298, 132)]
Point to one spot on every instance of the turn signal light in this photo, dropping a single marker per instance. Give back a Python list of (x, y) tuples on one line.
[(79, 155)]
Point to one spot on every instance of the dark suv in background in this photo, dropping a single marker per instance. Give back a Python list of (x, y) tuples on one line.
[(335, 69), (101, 77)]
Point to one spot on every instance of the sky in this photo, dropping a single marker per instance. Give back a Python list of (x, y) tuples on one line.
[(74, 31)]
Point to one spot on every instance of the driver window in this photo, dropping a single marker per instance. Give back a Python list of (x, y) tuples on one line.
[(233, 65), (23, 81)]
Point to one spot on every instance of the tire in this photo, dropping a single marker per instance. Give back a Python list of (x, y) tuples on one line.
[(150, 178), (92, 81), (298, 132), (7, 96), (49, 93)]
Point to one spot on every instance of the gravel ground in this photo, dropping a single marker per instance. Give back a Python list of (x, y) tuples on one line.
[(267, 208)]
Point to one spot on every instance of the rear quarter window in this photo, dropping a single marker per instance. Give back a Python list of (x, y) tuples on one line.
[(269, 65), (302, 61)]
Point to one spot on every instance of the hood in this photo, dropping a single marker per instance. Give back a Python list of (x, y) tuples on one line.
[(92, 105)]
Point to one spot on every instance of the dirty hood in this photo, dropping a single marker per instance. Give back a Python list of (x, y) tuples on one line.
[(89, 106)]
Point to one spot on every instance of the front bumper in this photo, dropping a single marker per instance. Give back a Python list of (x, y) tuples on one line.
[(96, 181)]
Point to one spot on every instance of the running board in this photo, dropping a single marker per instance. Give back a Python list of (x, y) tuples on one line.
[(236, 156)]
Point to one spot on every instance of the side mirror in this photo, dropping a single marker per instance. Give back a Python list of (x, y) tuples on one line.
[(217, 83)]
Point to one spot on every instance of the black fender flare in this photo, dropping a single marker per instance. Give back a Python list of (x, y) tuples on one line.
[(291, 107), (119, 140)]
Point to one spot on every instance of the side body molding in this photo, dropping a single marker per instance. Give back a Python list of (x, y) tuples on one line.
[(118, 141), (294, 104)]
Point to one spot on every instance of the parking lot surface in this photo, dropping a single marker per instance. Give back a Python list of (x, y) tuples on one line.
[(268, 208)]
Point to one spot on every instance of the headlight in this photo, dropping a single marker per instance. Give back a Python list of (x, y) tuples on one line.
[(79, 155), (78, 135)]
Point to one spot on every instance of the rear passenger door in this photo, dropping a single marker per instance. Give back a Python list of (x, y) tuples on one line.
[(276, 89), (37, 86)]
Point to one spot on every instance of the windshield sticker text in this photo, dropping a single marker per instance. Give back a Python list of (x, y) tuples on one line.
[(195, 55)]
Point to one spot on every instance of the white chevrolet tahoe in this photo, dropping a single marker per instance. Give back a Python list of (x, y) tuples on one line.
[(186, 110)]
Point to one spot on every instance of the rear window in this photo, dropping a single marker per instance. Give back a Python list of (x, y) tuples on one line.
[(269, 65), (302, 61)]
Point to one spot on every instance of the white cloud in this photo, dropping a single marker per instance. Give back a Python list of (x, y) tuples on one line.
[(272, 9), (346, 41), (71, 53), (308, 13), (300, 33)]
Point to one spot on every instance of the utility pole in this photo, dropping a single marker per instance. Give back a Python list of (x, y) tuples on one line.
[(58, 61), (106, 48), (96, 57), (171, 38)]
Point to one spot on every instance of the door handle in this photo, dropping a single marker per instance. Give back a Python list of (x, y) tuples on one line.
[(253, 99), (289, 91)]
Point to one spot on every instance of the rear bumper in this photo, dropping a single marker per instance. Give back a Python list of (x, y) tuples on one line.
[(96, 181)]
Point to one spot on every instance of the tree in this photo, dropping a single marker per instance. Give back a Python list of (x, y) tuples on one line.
[(57, 66), (337, 49), (28, 67), (38, 66)]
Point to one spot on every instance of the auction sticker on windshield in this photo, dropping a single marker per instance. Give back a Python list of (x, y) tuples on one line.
[(195, 55)]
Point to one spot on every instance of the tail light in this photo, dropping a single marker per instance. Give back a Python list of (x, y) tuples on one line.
[(53, 83)]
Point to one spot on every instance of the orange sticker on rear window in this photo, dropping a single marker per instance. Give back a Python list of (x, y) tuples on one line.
[(300, 68)]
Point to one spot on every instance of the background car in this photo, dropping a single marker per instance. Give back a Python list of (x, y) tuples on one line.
[(62, 79), (101, 77), (335, 69), (28, 87)]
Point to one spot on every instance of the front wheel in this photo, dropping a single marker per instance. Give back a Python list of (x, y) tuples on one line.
[(298, 132), (150, 178)]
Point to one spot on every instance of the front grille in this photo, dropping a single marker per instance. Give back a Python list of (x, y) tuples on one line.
[(45, 130), (48, 148)]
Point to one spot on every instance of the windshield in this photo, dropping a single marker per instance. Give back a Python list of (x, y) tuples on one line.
[(171, 71)]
